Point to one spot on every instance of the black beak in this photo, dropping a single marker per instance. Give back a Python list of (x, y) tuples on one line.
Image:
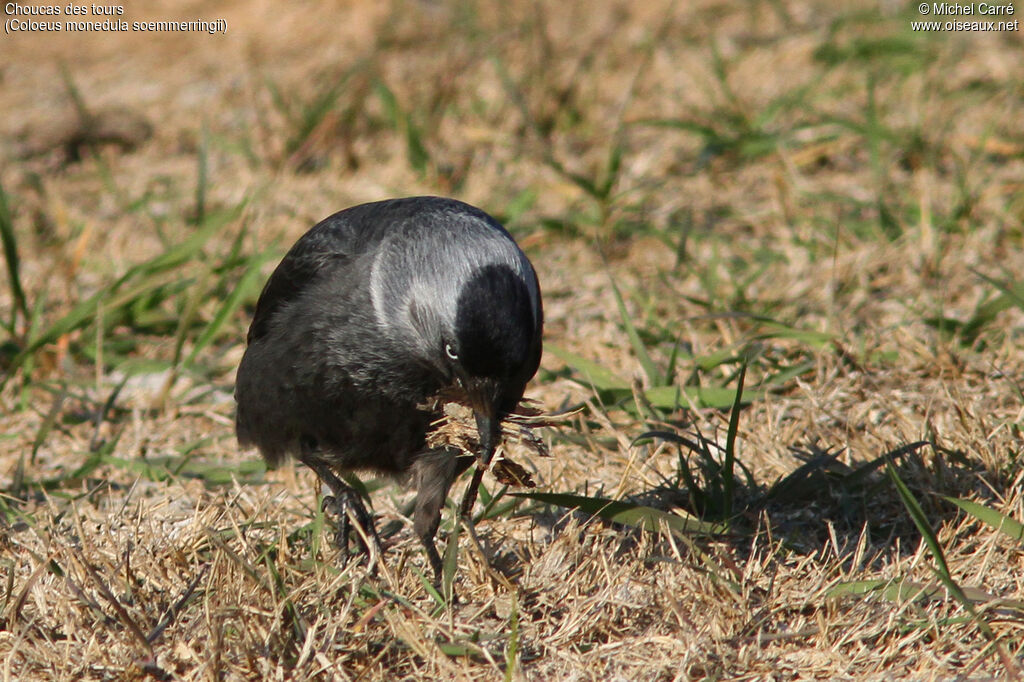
[(488, 426), (485, 398)]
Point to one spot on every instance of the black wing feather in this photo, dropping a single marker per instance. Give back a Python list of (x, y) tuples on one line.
[(328, 245)]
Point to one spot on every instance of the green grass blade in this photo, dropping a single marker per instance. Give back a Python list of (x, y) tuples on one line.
[(201, 177), (416, 151), (10, 244), (688, 125), (278, 100), (512, 650), (193, 299), (729, 464), (73, 92), (715, 397), (593, 373), (450, 560), (710, 361), (613, 167), (1004, 524), (1014, 291), (673, 360), (921, 521), (627, 513), (899, 591), (314, 113), (460, 650), (248, 283), (48, 421), (942, 568), (431, 590), (860, 475), (189, 248), (85, 312), (654, 376), (778, 330), (139, 282)]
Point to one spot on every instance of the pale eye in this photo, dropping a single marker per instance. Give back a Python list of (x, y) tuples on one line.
[(450, 352)]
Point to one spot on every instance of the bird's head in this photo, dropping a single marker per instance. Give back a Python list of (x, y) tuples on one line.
[(493, 347), (464, 301)]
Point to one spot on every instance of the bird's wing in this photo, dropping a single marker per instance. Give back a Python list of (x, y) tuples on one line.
[(327, 246)]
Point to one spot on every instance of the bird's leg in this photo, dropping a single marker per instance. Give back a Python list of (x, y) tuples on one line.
[(348, 507), (434, 471)]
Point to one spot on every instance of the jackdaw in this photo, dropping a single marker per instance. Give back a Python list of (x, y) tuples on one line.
[(370, 315)]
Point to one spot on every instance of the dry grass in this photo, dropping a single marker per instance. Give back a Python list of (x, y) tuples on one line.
[(818, 190)]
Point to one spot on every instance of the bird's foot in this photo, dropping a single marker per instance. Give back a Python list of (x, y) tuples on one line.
[(351, 515), (347, 507)]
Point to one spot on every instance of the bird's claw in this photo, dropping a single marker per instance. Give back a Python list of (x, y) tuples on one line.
[(350, 513)]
